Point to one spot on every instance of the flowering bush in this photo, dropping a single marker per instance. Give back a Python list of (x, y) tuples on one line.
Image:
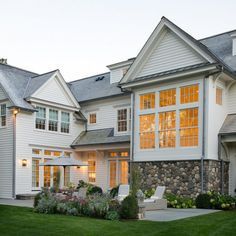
[(179, 202), (148, 193), (215, 200)]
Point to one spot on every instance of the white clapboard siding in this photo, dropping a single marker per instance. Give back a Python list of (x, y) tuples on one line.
[(106, 112), (116, 75), (171, 53), (6, 155), (28, 137), (232, 99), (53, 92)]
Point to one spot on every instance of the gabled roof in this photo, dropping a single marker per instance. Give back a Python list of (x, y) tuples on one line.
[(94, 87), (35, 82), (100, 136), (229, 125)]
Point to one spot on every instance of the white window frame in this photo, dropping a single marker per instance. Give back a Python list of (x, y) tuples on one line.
[(1, 115), (177, 107), (62, 122), (38, 106), (92, 113), (58, 120), (128, 120)]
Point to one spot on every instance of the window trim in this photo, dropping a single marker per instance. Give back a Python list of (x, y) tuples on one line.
[(89, 118), (3, 126), (39, 106), (128, 120), (216, 97), (63, 122)]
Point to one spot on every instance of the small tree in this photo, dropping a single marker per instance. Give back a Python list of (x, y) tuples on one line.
[(135, 179)]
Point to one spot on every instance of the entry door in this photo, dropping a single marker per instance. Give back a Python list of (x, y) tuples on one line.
[(51, 175), (118, 172)]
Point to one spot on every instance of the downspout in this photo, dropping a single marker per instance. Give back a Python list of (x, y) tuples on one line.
[(132, 133), (14, 157)]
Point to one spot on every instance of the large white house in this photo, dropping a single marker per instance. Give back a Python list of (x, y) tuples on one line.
[(171, 111)]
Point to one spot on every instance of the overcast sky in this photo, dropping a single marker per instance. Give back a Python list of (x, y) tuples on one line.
[(82, 37)]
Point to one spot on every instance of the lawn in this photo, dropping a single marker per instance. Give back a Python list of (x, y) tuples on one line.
[(23, 221)]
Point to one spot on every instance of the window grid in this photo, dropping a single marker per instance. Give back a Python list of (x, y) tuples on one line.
[(92, 167), (147, 101), (167, 129), (167, 97), (53, 120), (93, 118), (35, 173), (40, 118), (189, 127), (65, 122), (122, 120), (3, 115), (219, 92), (147, 131), (189, 94)]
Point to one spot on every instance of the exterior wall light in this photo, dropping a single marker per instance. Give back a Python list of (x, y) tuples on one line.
[(15, 111), (24, 162)]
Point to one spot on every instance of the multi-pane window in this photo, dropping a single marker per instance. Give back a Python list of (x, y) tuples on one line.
[(167, 97), (189, 94), (3, 115), (35, 173), (47, 175), (167, 129), (219, 93), (53, 120), (92, 167), (147, 101), (52, 153), (36, 151), (67, 176), (40, 122), (122, 120), (189, 127), (147, 131), (92, 118), (65, 122)]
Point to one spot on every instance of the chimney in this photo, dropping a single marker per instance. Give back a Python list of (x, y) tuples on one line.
[(233, 36), (3, 61)]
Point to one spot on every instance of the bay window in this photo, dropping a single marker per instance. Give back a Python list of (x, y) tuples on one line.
[(189, 94), (168, 97), (53, 120), (147, 131), (65, 122), (147, 101), (40, 122)]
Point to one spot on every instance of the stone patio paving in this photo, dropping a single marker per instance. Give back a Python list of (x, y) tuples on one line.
[(171, 214)]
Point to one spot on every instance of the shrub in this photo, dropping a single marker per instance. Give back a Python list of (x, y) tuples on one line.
[(94, 190), (47, 204), (114, 191), (44, 193), (129, 208), (203, 201), (179, 201), (148, 193), (112, 215), (114, 205)]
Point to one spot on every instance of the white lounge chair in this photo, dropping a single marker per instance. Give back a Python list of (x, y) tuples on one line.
[(156, 202), (123, 192)]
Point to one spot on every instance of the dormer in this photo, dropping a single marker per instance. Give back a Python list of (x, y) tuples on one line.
[(118, 70)]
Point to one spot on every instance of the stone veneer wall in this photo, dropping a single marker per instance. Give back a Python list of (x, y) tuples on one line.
[(183, 177)]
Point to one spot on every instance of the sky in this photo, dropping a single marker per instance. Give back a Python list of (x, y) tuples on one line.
[(82, 37)]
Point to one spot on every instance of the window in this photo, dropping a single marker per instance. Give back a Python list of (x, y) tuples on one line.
[(67, 176), (92, 168), (189, 127), (53, 120), (122, 120), (167, 97), (219, 93), (40, 118), (36, 151), (67, 154), (52, 153), (112, 175), (147, 131), (189, 94), (93, 118), (35, 173), (56, 176), (3, 114), (147, 101), (167, 129), (65, 122), (47, 175)]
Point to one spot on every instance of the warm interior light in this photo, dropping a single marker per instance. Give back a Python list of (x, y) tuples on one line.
[(15, 111), (24, 162)]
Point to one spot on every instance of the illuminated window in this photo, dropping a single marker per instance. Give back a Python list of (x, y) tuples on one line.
[(167, 132), (167, 97), (122, 120), (113, 154), (112, 168), (40, 122), (92, 167), (52, 153), (123, 172), (3, 115), (219, 93), (65, 122), (67, 154), (147, 131), (67, 176), (36, 151), (56, 176), (56, 154), (35, 173), (53, 120), (93, 118), (124, 154), (189, 127), (47, 175), (147, 101), (189, 94)]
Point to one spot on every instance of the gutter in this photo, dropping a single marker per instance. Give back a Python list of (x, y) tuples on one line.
[(14, 159)]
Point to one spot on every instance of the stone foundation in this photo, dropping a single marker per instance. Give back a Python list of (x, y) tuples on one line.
[(183, 177)]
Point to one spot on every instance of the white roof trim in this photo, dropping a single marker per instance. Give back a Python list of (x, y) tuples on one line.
[(64, 86), (152, 41)]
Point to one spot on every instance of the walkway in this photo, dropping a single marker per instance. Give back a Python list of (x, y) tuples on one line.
[(175, 214), (13, 202)]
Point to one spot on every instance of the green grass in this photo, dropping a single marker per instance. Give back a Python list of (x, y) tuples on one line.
[(23, 221)]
